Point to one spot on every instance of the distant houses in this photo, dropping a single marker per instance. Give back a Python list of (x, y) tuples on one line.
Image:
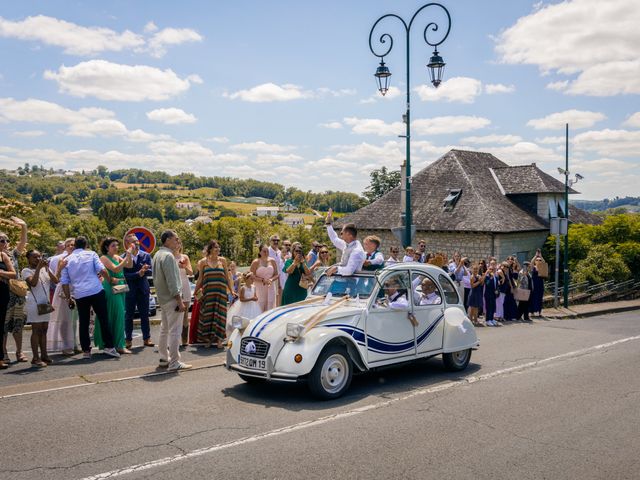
[(189, 205), (267, 211), (293, 220)]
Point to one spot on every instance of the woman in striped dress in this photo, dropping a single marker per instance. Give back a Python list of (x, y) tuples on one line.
[(215, 283)]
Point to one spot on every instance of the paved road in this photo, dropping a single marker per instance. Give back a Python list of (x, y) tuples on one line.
[(556, 399)]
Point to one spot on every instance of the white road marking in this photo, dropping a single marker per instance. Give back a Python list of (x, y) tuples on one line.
[(356, 411)]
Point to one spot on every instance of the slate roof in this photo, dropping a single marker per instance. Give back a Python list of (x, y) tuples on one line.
[(527, 179), (481, 208), (577, 215)]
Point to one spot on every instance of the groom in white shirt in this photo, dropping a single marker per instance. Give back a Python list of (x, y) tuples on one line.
[(353, 255)]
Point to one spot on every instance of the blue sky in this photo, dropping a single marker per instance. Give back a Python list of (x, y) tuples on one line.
[(284, 90)]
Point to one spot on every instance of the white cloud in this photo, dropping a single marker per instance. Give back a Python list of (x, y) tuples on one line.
[(558, 86), (391, 94), (502, 139), (567, 37), (456, 89), (262, 147), (603, 165), (493, 88), (141, 136), (85, 122), (218, 140), (74, 39), (171, 116), (448, 124), (150, 27), (550, 140), (41, 111), (113, 81), (633, 121), (270, 92), (107, 127), (29, 133), (391, 152), (523, 153), (171, 36), (575, 119), (373, 126), (272, 158), (616, 143), (331, 125), (328, 162)]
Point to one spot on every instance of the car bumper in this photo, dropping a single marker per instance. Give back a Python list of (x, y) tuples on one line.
[(268, 374)]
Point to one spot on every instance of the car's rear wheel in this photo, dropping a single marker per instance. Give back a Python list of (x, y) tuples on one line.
[(250, 379), (332, 373), (456, 361)]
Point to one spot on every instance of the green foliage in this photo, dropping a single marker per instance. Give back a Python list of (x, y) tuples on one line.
[(603, 263), (91, 227), (382, 181), (630, 253), (113, 213)]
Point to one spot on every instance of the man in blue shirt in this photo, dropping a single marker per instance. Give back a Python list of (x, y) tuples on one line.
[(138, 295), (81, 270)]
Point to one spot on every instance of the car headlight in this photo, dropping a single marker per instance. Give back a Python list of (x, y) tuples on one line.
[(239, 322), (294, 330)]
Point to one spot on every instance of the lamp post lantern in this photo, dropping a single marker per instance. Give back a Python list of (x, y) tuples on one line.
[(436, 68)]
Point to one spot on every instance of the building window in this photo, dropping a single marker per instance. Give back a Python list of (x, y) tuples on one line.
[(451, 199)]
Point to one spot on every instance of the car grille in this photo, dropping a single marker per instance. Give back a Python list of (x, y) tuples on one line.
[(261, 350)]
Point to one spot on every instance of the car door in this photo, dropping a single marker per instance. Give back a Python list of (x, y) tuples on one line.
[(390, 335), (428, 310)]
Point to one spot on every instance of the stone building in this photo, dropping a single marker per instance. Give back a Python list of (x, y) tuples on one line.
[(473, 203)]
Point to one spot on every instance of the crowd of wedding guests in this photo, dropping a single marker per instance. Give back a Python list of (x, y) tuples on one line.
[(79, 295)]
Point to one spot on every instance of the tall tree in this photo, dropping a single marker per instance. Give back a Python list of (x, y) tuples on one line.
[(382, 181)]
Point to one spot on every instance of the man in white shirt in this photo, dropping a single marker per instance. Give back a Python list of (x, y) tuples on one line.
[(395, 295), (429, 295), (353, 255)]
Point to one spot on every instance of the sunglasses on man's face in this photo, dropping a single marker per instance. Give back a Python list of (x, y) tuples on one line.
[(3, 240), (275, 241)]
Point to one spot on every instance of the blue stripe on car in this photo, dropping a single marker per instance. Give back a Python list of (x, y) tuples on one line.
[(380, 346)]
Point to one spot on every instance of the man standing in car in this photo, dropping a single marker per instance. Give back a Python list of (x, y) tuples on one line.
[(138, 295)]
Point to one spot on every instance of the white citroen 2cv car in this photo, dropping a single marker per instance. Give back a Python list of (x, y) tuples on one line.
[(355, 324)]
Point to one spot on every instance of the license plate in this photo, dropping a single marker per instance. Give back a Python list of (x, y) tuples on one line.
[(254, 363)]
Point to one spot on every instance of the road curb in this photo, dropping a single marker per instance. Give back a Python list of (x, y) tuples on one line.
[(567, 313), (85, 380)]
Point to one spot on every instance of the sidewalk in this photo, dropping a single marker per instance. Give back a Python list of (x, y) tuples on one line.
[(590, 309)]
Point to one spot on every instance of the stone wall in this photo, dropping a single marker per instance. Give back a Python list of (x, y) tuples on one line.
[(472, 245)]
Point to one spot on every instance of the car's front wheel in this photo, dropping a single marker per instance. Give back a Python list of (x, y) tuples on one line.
[(456, 361), (332, 373)]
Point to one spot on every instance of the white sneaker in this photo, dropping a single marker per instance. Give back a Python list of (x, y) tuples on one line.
[(491, 323), (86, 355), (179, 366), (163, 363), (111, 352)]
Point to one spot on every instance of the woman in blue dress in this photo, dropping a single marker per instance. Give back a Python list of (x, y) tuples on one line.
[(475, 298), (510, 305), (537, 294)]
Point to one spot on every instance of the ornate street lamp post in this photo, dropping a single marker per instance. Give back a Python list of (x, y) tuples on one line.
[(383, 74), (567, 185)]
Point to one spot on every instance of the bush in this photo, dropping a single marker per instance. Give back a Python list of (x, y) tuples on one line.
[(630, 253), (602, 264)]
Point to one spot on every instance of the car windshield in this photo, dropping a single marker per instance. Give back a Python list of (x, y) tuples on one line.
[(339, 286)]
